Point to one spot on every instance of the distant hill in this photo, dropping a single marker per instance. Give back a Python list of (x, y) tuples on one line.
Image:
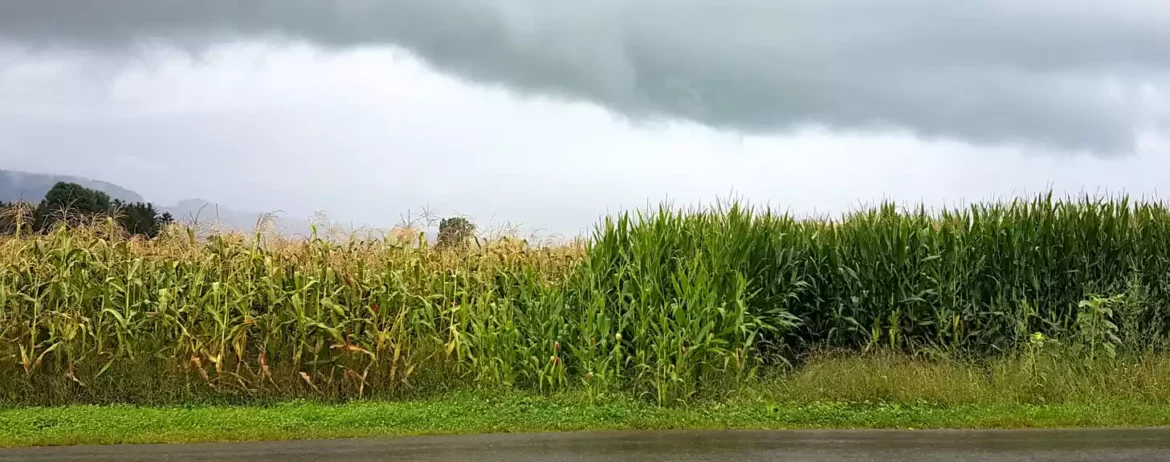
[(32, 187)]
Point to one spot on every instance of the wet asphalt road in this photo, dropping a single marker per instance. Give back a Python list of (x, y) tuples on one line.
[(830, 446)]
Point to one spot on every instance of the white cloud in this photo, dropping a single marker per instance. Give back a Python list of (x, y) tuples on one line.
[(1067, 74)]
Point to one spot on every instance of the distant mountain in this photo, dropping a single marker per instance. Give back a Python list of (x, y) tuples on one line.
[(32, 187)]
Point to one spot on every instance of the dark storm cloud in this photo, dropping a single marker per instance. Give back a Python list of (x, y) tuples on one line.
[(1069, 74)]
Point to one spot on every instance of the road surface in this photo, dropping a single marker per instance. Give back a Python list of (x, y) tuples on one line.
[(829, 446)]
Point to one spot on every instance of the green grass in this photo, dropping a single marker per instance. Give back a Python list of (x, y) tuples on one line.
[(520, 412), (873, 391)]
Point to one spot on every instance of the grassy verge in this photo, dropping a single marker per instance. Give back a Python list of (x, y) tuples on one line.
[(518, 412), (851, 391)]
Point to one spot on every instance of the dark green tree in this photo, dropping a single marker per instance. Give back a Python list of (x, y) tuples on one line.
[(455, 231), (7, 223), (141, 218), (70, 202), (75, 204), (77, 198)]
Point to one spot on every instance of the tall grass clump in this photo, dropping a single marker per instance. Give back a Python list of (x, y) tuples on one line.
[(667, 304)]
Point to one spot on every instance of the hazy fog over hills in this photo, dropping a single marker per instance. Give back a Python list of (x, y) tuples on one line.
[(202, 212), (31, 187)]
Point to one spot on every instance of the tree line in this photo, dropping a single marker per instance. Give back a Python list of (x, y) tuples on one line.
[(70, 203)]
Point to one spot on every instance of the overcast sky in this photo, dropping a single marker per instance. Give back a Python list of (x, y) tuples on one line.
[(549, 113)]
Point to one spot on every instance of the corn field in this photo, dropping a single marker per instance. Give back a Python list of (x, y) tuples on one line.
[(665, 304)]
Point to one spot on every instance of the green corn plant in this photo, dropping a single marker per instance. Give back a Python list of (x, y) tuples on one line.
[(669, 303)]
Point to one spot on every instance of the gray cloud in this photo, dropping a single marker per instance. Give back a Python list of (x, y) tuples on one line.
[(1074, 75)]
